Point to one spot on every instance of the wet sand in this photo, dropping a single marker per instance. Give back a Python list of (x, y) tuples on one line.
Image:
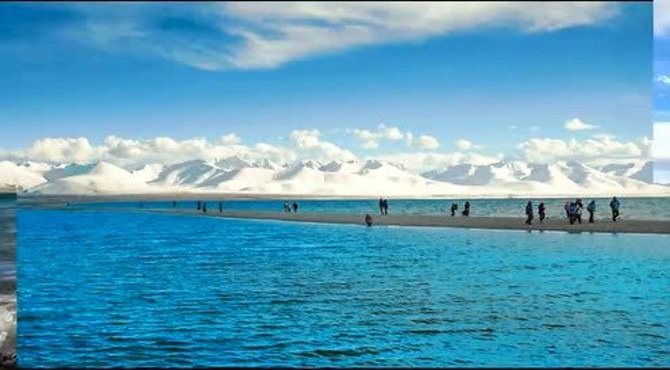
[(501, 223)]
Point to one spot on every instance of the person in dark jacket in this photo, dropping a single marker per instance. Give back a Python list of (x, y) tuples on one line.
[(295, 207), (466, 209), (541, 210), (529, 213), (592, 210), (454, 208), (381, 206), (614, 205)]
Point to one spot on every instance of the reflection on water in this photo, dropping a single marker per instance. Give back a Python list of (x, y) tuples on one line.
[(7, 279), (120, 289)]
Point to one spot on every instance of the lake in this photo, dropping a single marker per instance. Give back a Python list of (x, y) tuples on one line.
[(100, 289)]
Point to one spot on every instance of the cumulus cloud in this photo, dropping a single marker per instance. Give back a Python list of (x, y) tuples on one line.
[(464, 144), (371, 138), (61, 150), (548, 150), (662, 79), (661, 18), (426, 161), (230, 139), (309, 142), (427, 142), (257, 35), (577, 124)]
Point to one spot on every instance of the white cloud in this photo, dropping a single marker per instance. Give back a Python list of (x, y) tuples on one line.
[(662, 79), (427, 142), (464, 144), (577, 124), (548, 150), (61, 150), (277, 33), (230, 139), (661, 18), (253, 35), (310, 143), (661, 146), (426, 161), (371, 138)]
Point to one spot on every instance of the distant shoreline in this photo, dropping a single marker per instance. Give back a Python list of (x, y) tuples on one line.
[(499, 223), (181, 196)]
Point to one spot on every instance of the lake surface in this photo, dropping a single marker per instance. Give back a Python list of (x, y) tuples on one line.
[(631, 208), (121, 289)]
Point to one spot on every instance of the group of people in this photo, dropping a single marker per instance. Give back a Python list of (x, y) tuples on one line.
[(466, 209), (573, 210), (201, 206), (287, 207), (383, 206)]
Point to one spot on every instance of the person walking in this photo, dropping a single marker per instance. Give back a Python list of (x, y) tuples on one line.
[(220, 207), (386, 206), (381, 206), (199, 205), (614, 205), (295, 207), (454, 208), (541, 210), (466, 209), (592, 209), (529, 213)]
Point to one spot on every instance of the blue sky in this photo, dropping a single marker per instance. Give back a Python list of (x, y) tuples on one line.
[(263, 73)]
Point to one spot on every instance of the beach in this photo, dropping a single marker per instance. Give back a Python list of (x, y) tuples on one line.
[(499, 223)]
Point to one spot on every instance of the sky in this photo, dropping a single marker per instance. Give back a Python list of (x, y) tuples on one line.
[(661, 151), (424, 84)]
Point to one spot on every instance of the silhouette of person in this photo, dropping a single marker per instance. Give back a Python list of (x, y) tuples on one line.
[(386, 206), (295, 207), (381, 206), (614, 205), (220, 207), (199, 206), (454, 208), (541, 210), (466, 209), (592, 209), (529, 213), (368, 220)]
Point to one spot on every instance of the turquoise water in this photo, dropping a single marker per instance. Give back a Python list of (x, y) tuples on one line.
[(120, 289), (631, 208)]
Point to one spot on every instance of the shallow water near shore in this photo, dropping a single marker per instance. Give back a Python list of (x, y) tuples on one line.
[(136, 289), (650, 208)]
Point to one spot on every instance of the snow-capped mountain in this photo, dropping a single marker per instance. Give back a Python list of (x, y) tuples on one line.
[(354, 177)]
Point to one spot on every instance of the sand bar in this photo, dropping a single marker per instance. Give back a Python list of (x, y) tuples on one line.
[(504, 223)]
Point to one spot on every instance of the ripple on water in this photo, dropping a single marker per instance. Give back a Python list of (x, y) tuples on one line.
[(189, 291)]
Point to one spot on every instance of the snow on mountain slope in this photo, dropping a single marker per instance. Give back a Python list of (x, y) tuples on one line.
[(354, 177), (21, 177), (148, 172), (103, 178)]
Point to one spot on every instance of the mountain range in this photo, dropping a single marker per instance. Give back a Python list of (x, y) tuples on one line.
[(335, 178)]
